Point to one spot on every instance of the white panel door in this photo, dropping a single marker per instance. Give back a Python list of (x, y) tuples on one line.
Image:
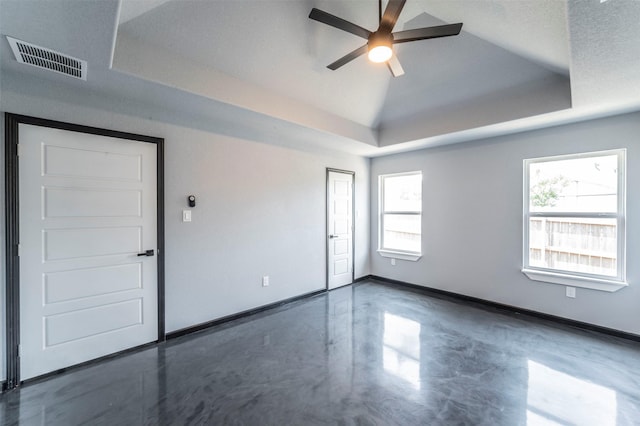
[(340, 229), (87, 209)]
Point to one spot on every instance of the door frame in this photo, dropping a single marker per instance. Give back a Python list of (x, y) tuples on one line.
[(12, 226), (353, 224)]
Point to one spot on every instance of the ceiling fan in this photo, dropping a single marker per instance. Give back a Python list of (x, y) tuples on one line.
[(379, 42)]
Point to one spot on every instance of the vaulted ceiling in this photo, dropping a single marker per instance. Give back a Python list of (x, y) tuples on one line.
[(256, 69)]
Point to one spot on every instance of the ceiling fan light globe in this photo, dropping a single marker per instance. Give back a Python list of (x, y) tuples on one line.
[(380, 53)]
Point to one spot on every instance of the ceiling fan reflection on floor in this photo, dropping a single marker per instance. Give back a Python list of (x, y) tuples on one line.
[(380, 42)]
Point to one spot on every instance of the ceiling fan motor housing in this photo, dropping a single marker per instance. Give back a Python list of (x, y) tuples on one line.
[(380, 38)]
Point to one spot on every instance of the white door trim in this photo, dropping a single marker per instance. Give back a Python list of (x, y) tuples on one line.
[(353, 197), (12, 122)]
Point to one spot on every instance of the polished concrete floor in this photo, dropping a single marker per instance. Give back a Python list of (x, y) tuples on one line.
[(363, 355)]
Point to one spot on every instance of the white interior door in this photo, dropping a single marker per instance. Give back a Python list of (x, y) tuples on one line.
[(340, 228), (87, 209)]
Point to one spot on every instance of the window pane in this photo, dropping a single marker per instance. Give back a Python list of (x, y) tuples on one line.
[(574, 185), (402, 232), (574, 244), (403, 193)]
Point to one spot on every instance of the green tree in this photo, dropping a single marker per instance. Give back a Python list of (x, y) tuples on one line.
[(546, 192)]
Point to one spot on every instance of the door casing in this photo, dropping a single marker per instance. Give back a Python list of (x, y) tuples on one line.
[(12, 222), (353, 233)]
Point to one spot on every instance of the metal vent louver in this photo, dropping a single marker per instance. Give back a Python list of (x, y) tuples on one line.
[(41, 57)]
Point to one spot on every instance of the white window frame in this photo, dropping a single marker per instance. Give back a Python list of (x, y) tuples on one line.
[(395, 253), (571, 278)]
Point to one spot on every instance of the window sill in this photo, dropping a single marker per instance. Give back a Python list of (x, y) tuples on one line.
[(400, 255), (574, 280)]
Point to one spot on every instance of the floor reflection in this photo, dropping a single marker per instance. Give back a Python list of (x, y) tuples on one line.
[(401, 348), (556, 398), (360, 355)]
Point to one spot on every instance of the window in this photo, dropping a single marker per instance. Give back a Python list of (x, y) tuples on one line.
[(401, 215), (574, 220)]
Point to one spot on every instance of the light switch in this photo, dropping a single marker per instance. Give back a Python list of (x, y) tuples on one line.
[(186, 215)]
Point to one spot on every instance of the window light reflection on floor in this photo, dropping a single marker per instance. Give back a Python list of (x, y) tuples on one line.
[(556, 398), (401, 349)]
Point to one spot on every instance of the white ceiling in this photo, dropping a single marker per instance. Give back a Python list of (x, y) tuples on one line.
[(257, 68)]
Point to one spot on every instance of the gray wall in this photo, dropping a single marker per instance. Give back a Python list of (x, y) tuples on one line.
[(260, 211), (472, 220)]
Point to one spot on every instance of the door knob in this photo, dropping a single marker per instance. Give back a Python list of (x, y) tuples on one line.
[(333, 236), (147, 253)]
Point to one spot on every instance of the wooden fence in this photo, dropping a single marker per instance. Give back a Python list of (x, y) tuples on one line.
[(580, 245)]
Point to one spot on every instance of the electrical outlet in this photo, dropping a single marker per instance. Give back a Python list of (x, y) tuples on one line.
[(265, 281), (393, 262), (571, 292)]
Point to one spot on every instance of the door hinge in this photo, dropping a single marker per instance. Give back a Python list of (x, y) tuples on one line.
[(19, 351), (18, 150), (19, 250)]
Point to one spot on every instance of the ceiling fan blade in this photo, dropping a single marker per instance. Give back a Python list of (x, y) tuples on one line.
[(339, 23), (391, 14), (425, 33), (348, 58), (395, 67)]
